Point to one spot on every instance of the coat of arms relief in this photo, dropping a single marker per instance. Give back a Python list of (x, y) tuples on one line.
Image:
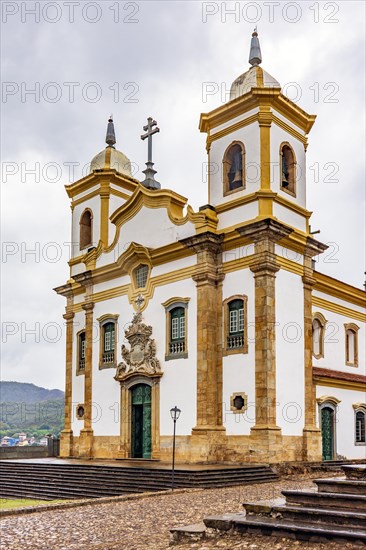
[(141, 357)]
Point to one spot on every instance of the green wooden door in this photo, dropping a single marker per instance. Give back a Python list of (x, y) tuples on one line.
[(141, 421), (327, 416)]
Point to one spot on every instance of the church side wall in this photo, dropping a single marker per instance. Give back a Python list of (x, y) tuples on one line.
[(290, 352), (345, 420), (77, 380), (239, 369), (335, 337)]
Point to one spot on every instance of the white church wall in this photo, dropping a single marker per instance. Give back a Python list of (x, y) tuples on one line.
[(335, 343), (238, 216), (289, 217), (106, 391), (288, 254), (278, 136), (238, 252), (77, 395), (239, 369), (178, 383), (161, 269), (345, 420), (249, 135), (138, 229), (290, 352)]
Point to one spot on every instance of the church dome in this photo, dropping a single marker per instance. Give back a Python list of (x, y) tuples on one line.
[(255, 77), (110, 158)]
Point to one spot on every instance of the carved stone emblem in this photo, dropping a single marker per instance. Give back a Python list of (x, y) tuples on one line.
[(141, 357)]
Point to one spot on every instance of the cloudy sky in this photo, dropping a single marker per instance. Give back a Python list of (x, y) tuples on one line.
[(66, 66)]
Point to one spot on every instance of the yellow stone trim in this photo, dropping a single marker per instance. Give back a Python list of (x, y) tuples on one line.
[(259, 96), (359, 406), (339, 289), (94, 193), (237, 264), (290, 130), (147, 292), (328, 399), (317, 316), (251, 120), (174, 300), (119, 193), (345, 384), (336, 308), (230, 129), (91, 180), (289, 265)]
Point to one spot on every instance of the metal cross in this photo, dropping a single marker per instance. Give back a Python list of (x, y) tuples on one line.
[(139, 301), (149, 133)]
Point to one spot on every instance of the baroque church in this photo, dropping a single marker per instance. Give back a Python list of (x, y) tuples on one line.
[(220, 311)]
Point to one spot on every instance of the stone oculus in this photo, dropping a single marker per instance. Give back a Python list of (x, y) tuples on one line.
[(220, 312)]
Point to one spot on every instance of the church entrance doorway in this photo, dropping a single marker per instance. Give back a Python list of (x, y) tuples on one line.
[(327, 423), (141, 421)]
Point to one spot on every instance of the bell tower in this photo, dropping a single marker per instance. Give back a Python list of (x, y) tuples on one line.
[(256, 145)]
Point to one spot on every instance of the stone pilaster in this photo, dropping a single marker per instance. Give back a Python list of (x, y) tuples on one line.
[(311, 434), (265, 434), (66, 438), (208, 277)]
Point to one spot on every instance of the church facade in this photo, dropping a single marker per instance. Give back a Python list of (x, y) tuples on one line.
[(220, 312)]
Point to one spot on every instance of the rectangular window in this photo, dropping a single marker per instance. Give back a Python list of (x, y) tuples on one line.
[(141, 275), (233, 321), (175, 328), (182, 327), (241, 320), (82, 349), (107, 341)]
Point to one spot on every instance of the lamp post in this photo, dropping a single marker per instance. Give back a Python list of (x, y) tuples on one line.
[(174, 413)]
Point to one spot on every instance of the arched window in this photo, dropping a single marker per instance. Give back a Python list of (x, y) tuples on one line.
[(108, 341), (141, 274), (288, 169), (176, 310), (235, 325), (86, 226), (319, 323), (81, 352), (351, 344), (360, 427), (234, 168)]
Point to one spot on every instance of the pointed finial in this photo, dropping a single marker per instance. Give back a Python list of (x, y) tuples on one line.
[(111, 136), (255, 56)]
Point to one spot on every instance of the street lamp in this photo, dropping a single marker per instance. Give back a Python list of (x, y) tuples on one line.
[(174, 413)]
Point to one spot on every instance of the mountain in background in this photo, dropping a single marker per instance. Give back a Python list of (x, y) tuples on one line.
[(28, 408), (21, 392)]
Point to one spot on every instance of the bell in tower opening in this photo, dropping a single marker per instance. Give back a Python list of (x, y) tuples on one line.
[(233, 167)]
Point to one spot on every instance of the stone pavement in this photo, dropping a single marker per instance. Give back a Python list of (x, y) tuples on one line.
[(145, 523)]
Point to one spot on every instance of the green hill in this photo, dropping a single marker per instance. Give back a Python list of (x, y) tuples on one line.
[(28, 408), (19, 392)]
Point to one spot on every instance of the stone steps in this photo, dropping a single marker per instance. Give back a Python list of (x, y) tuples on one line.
[(339, 501), (67, 481), (283, 528), (336, 485), (335, 512)]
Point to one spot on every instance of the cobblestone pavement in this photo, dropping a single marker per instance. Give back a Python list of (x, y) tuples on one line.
[(145, 523)]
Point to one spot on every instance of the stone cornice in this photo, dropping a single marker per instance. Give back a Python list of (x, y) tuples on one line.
[(265, 229), (206, 241), (328, 377)]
